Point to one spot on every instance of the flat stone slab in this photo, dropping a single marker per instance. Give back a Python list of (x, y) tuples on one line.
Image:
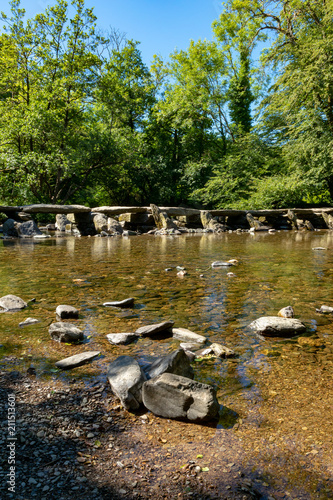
[(65, 332), (9, 208), (274, 326), (126, 379), (122, 338), (187, 336), (150, 330), (55, 209), (67, 312), (173, 396), (120, 210), (12, 303), (121, 303), (29, 321), (77, 360)]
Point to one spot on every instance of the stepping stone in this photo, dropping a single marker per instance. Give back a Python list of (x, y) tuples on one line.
[(150, 330), (176, 362), (67, 312), (223, 264), (188, 336), (65, 332), (274, 326), (286, 312), (121, 338), (77, 360), (12, 303)]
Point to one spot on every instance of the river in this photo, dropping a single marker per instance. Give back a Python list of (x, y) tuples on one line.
[(278, 391)]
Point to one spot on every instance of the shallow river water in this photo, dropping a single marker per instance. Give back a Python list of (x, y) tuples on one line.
[(278, 391)]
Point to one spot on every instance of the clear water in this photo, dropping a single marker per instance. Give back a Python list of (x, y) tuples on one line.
[(277, 394), (273, 271)]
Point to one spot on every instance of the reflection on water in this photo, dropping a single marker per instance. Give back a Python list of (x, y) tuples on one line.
[(274, 270), (276, 391)]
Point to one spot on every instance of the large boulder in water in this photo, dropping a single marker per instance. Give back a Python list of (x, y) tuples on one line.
[(173, 396), (12, 303)]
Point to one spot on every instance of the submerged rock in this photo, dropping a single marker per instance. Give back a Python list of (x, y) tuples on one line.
[(77, 360), (274, 326), (126, 379), (173, 396), (12, 303), (65, 332)]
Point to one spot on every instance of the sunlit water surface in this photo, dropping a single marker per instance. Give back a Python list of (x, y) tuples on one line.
[(274, 271)]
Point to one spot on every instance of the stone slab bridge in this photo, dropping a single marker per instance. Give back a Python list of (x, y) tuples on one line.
[(162, 217)]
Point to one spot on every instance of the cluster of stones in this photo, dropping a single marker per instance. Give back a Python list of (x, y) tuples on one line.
[(128, 221), (166, 386)]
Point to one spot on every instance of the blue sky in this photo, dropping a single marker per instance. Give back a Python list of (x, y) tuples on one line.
[(160, 26)]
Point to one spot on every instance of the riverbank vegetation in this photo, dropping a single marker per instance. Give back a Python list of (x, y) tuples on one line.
[(84, 120)]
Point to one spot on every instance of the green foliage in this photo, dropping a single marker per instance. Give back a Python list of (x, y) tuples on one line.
[(80, 126), (234, 179), (50, 73)]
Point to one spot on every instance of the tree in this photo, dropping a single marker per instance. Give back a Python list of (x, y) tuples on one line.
[(46, 145), (300, 54), (124, 99)]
